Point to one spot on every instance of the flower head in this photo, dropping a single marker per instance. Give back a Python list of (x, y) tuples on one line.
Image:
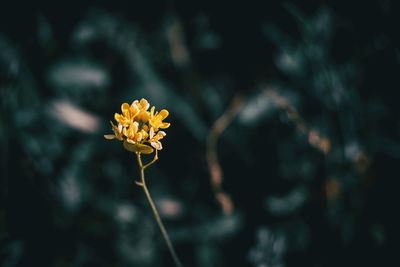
[(156, 120), (138, 127)]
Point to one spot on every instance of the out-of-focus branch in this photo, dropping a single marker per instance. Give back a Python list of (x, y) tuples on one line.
[(332, 185), (214, 167), (318, 141)]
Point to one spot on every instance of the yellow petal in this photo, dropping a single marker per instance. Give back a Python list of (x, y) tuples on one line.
[(155, 124), (109, 136), (144, 103), (164, 113), (144, 116), (152, 112), (118, 117), (125, 110), (164, 125), (138, 148), (134, 111)]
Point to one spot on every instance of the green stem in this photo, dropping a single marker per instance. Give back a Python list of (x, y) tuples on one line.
[(156, 215)]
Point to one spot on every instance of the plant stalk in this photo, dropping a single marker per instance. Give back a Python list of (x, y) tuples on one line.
[(155, 212)]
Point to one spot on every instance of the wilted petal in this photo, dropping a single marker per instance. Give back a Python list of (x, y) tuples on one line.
[(151, 133), (130, 141), (109, 136), (162, 133), (156, 144)]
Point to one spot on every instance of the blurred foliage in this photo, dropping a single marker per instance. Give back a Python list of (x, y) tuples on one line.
[(307, 156)]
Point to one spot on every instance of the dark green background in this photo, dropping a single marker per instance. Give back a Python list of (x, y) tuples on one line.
[(67, 195)]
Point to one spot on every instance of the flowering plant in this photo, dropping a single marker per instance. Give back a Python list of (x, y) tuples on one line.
[(139, 129)]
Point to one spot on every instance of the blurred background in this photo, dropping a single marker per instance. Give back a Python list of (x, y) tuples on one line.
[(282, 149)]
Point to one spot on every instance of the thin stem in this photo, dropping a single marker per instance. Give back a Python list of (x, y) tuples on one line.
[(151, 162), (156, 215)]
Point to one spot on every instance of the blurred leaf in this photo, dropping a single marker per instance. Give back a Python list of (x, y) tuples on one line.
[(76, 74), (288, 204)]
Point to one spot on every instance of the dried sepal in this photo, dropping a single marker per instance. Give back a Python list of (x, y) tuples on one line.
[(138, 148)]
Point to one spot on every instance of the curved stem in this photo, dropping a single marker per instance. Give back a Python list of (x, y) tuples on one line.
[(154, 160), (156, 215)]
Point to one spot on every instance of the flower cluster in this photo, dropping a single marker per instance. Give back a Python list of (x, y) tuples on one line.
[(137, 127)]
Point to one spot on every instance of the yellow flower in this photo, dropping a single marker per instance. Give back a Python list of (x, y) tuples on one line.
[(128, 114), (156, 120), (143, 106), (138, 128)]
